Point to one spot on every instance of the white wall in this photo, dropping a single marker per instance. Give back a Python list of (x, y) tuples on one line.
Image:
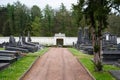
[(70, 40), (45, 40), (48, 40), (118, 40)]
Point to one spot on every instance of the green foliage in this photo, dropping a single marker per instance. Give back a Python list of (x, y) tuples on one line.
[(36, 27), (17, 69), (87, 62), (35, 12), (114, 24), (48, 21), (17, 19)]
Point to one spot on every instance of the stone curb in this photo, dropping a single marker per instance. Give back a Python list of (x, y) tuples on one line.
[(28, 69), (31, 66), (86, 70)]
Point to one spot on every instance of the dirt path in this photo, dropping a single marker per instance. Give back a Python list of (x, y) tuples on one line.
[(57, 64)]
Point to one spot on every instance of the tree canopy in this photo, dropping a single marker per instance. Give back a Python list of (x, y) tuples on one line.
[(17, 18)]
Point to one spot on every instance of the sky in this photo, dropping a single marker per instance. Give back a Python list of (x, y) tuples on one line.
[(55, 4)]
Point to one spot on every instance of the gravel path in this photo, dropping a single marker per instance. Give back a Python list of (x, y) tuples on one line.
[(57, 64)]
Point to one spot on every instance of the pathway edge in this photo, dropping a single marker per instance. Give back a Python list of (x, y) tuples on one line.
[(86, 70)]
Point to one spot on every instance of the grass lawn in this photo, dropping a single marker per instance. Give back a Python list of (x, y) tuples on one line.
[(2, 49), (17, 69), (86, 61)]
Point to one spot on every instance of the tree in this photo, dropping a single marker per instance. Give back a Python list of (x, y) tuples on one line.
[(48, 21), (22, 18), (96, 12), (114, 24), (36, 12), (3, 19), (36, 27)]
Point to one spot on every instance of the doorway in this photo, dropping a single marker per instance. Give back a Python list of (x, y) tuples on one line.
[(59, 42)]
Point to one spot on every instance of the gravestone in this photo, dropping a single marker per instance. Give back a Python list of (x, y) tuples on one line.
[(115, 73), (16, 49), (111, 53), (12, 41), (29, 38), (109, 41), (3, 65), (9, 56), (118, 46), (80, 33), (20, 43), (84, 42)]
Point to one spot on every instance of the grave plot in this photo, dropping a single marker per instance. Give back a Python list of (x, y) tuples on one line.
[(9, 56), (118, 63), (14, 50), (84, 42), (6, 59), (4, 65), (22, 45), (116, 74), (110, 56), (110, 48), (111, 53)]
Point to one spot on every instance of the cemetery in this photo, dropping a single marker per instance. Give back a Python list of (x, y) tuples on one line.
[(15, 50), (60, 40), (110, 49)]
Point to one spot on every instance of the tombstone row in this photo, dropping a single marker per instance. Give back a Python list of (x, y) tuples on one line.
[(13, 50), (111, 50)]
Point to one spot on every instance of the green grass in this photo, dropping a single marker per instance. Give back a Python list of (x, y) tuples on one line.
[(86, 61), (2, 49), (17, 69)]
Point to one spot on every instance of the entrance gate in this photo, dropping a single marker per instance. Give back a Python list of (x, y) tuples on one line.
[(59, 42)]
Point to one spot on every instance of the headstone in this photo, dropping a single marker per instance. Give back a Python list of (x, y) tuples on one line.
[(29, 38), (109, 38), (12, 41), (3, 65), (80, 36), (23, 39), (116, 74), (20, 43)]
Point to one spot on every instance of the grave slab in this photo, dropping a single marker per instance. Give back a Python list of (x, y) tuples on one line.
[(116, 74)]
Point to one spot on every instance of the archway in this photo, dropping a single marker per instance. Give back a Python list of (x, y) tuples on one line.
[(60, 42)]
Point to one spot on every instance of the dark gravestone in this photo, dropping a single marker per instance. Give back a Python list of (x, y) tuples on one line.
[(84, 42), (80, 35), (86, 36), (6, 59), (13, 46), (20, 43), (3, 65), (23, 39), (12, 41), (31, 47), (29, 38), (110, 55), (16, 49), (15, 53), (9, 56), (116, 74), (118, 46), (109, 41), (118, 63)]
